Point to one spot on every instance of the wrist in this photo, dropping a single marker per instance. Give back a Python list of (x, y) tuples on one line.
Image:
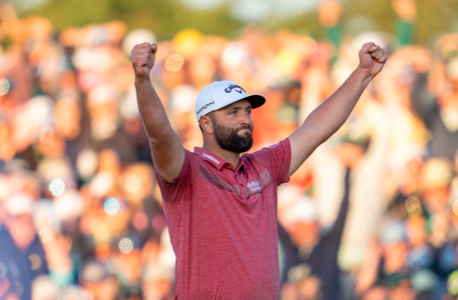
[(141, 79), (363, 74)]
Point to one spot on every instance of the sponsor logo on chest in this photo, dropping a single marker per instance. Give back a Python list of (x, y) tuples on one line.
[(254, 186)]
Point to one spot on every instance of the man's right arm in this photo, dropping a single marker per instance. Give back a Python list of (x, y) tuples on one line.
[(166, 147)]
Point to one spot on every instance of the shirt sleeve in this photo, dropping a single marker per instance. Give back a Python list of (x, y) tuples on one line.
[(277, 159), (177, 189)]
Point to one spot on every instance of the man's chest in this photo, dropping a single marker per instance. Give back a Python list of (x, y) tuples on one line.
[(243, 184)]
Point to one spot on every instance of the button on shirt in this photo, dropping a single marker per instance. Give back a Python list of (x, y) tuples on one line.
[(222, 224)]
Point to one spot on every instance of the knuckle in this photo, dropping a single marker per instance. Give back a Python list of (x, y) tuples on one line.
[(141, 47)]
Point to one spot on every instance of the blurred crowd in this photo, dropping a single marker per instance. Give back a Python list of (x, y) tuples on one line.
[(372, 214)]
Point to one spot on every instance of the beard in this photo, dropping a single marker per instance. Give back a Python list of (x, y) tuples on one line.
[(229, 139)]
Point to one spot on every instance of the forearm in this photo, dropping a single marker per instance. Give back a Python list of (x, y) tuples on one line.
[(332, 113), (152, 111), (166, 148), (327, 118)]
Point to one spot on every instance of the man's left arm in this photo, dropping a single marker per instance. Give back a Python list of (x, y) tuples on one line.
[(327, 118)]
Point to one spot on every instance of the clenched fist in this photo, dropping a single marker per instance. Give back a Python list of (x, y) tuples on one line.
[(143, 56), (372, 58)]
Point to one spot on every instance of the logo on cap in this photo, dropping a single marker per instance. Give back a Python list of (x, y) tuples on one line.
[(205, 106), (234, 86)]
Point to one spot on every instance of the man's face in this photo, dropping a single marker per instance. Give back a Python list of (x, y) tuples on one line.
[(239, 138)]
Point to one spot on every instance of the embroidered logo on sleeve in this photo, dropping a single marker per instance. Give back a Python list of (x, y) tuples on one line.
[(211, 158)]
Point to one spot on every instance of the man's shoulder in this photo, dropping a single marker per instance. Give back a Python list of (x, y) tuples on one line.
[(277, 147), (191, 162), (273, 158), (194, 155)]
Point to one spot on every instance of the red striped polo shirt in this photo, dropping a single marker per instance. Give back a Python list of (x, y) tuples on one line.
[(223, 224)]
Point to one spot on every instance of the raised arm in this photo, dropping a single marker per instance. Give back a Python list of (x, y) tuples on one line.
[(166, 147), (327, 118)]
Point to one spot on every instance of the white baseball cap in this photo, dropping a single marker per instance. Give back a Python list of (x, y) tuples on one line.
[(222, 93)]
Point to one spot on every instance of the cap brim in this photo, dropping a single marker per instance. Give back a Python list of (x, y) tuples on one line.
[(256, 100)]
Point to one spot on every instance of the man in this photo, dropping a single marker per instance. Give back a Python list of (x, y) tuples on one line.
[(221, 207)]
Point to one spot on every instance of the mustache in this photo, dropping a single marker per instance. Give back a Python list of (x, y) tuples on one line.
[(248, 126)]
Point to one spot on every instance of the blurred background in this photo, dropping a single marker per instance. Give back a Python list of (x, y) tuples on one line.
[(372, 214)]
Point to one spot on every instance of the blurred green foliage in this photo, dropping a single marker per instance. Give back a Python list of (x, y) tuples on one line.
[(166, 17)]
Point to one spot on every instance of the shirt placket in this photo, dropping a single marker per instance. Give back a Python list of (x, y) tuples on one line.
[(242, 184)]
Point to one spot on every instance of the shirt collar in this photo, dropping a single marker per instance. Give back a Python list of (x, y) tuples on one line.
[(215, 160)]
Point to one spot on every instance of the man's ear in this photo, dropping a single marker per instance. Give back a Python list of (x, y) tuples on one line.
[(206, 124)]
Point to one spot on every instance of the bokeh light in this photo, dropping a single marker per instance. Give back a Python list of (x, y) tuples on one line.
[(140, 221), (92, 272), (40, 110), (133, 183), (307, 46), (187, 41), (35, 261), (452, 283), (101, 184), (174, 63), (413, 206), (251, 10), (46, 235), (137, 36), (126, 245), (428, 236), (232, 55), (87, 163), (4, 87), (111, 206), (158, 223), (414, 165), (455, 207), (57, 187), (299, 272), (46, 134)]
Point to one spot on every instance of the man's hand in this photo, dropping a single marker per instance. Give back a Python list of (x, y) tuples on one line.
[(372, 58), (143, 57)]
